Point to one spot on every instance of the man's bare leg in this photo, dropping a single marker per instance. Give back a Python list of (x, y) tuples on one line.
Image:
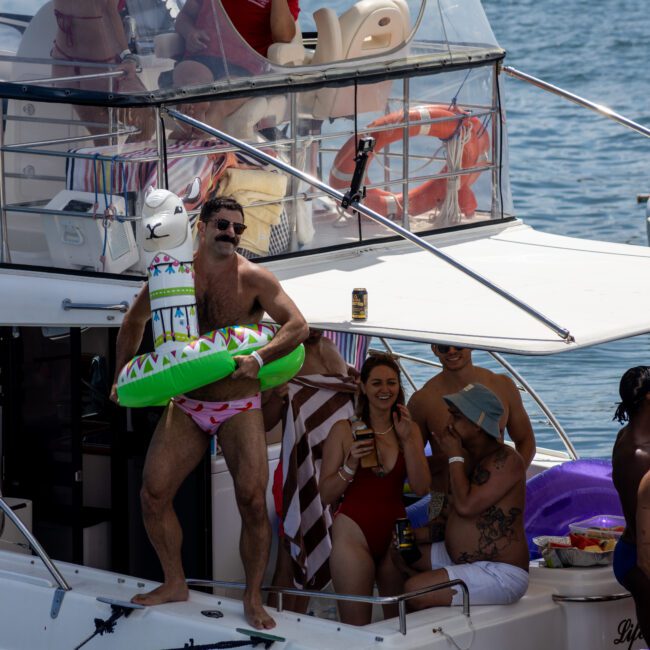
[(243, 443), (175, 450)]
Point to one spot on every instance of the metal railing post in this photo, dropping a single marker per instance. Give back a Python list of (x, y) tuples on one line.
[(576, 99), (33, 542), (5, 255)]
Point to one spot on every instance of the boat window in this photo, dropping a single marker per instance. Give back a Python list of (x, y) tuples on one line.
[(76, 172), (438, 163)]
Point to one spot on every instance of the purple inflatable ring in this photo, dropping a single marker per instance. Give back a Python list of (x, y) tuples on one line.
[(567, 493)]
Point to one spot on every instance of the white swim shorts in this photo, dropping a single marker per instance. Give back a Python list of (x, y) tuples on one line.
[(489, 583)]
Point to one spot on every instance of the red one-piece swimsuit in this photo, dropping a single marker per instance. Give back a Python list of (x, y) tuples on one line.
[(374, 502)]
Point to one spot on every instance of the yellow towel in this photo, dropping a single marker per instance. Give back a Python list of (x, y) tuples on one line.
[(256, 237), (258, 204), (256, 180), (251, 186)]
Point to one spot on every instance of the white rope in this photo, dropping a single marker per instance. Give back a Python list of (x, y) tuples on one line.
[(450, 209)]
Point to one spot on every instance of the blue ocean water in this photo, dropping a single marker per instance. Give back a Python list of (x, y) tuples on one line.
[(577, 174)]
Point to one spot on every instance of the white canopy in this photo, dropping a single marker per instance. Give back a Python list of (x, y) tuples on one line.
[(596, 290)]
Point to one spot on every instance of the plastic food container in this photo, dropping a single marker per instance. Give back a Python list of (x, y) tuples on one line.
[(558, 557), (600, 526)]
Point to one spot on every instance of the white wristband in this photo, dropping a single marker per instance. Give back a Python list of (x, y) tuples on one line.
[(348, 470), (456, 459), (257, 358)]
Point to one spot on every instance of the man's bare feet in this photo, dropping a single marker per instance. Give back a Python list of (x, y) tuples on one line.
[(166, 593), (256, 614)]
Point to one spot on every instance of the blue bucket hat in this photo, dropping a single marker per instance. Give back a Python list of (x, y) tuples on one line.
[(479, 405)]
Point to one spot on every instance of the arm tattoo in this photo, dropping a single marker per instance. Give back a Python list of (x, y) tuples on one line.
[(500, 458), (480, 476), (496, 532)]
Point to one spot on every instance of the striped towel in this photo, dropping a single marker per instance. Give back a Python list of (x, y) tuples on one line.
[(316, 402), (353, 347)]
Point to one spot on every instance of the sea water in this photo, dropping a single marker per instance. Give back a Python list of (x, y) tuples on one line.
[(578, 174)]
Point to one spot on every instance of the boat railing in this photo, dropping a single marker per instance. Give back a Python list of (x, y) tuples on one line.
[(36, 547), (576, 99), (521, 383), (41, 148), (400, 600), (358, 207)]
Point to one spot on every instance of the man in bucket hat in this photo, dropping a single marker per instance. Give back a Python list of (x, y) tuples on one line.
[(484, 544)]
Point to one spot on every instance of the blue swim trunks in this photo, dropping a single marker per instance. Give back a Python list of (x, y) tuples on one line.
[(624, 560)]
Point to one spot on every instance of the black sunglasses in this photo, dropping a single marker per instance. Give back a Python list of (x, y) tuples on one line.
[(222, 224), (443, 349)]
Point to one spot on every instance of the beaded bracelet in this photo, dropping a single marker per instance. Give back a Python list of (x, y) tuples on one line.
[(347, 480)]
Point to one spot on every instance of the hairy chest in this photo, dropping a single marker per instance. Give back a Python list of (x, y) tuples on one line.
[(226, 300)]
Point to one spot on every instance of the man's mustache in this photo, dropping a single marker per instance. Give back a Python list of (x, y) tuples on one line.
[(231, 240)]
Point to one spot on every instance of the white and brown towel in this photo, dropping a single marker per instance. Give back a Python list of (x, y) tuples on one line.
[(316, 402)]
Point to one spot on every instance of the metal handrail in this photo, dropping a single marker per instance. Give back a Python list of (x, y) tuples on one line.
[(37, 548), (67, 304), (82, 77), (397, 357), (400, 599), (576, 99), (355, 206), (605, 598), (524, 385), (410, 357), (559, 429)]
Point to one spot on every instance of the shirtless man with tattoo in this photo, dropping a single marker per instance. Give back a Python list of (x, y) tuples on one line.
[(429, 411), (230, 290), (484, 545)]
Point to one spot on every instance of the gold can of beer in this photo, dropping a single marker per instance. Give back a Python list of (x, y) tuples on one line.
[(359, 304)]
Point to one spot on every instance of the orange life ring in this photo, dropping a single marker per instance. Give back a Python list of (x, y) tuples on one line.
[(430, 194)]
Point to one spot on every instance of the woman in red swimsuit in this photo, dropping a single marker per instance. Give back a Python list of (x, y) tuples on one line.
[(371, 498)]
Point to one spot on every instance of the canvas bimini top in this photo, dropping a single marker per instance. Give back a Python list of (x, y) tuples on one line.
[(420, 37), (593, 290)]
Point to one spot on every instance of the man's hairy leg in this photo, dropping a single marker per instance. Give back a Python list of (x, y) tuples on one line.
[(243, 443), (175, 450)]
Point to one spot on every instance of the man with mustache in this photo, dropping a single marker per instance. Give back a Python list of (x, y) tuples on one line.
[(230, 290)]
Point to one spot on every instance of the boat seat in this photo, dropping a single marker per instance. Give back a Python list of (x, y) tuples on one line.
[(369, 28)]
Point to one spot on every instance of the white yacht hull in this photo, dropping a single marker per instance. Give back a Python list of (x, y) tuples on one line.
[(535, 623)]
